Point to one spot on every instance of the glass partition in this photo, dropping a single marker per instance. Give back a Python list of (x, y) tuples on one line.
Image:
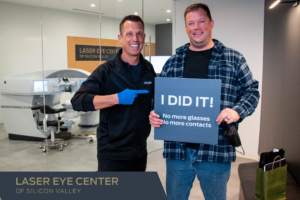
[(157, 17), (48, 49), (158, 25), (71, 40), (22, 86)]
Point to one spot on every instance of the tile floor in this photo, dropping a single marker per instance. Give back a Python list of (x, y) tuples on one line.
[(80, 155)]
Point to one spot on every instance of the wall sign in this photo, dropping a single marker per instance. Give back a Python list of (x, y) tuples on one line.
[(92, 53), (189, 108), (88, 57)]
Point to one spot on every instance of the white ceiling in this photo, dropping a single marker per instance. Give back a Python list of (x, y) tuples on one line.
[(154, 10)]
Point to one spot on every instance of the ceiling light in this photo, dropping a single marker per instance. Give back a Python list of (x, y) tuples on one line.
[(296, 3), (93, 5), (274, 4), (119, 0), (136, 13), (168, 10), (168, 20)]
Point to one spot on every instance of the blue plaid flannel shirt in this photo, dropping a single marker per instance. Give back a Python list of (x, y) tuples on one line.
[(239, 92)]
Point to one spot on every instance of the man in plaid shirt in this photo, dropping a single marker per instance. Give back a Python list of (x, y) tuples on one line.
[(205, 57)]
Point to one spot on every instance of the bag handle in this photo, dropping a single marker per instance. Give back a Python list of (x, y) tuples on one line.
[(274, 161), (241, 152)]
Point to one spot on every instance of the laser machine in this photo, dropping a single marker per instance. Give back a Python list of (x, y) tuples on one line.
[(22, 103)]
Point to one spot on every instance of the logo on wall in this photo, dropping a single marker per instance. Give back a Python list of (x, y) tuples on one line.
[(92, 53)]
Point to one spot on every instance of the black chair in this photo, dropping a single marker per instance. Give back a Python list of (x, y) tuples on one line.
[(52, 123)]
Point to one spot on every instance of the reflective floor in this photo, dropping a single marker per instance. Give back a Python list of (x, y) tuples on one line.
[(80, 155)]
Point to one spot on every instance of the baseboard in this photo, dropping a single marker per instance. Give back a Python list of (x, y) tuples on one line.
[(253, 156)]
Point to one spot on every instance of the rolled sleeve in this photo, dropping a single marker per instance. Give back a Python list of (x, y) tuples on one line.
[(94, 85)]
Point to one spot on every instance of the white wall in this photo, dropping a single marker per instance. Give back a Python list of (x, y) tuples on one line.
[(239, 24), (20, 36)]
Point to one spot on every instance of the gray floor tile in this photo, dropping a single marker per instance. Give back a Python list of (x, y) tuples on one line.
[(79, 155)]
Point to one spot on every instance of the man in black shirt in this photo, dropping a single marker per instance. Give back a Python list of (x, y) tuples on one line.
[(122, 88), (196, 66), (205, 57)]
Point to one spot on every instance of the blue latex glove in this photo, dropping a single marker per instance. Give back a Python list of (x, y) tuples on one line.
[(127, 97)]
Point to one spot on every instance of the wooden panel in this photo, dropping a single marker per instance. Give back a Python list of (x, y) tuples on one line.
[(110, 43), (71, 52), (152, 49), (90, 66)]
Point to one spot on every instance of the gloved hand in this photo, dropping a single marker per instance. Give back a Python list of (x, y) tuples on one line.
[(127, 97)]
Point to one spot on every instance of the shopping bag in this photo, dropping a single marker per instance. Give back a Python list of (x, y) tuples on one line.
[(271, 185), (268, 157)]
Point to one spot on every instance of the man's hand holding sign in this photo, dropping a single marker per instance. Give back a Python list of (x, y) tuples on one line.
[(228, 115)]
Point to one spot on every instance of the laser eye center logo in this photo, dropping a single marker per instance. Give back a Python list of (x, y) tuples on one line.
[(28, 185), (94, 53), (80, 185)]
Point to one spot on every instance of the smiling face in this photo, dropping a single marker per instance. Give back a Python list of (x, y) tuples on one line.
[(198, 26), (132, 40)]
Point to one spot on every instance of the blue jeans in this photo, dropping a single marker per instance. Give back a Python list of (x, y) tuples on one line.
[(213, 177)]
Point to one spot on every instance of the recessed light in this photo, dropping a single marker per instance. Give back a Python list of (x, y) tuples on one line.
[(168, 20), (119, 0), (168, 10), (274, 4), (136, 13), (93, 5)]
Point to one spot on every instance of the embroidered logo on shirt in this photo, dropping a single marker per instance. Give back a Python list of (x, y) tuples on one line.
[(147, 83)]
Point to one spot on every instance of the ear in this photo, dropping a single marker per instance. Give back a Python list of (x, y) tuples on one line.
[(144, 37), (186, 29), (119, 38), (212, 23)]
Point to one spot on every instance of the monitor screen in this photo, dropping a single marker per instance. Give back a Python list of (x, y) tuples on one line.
[(38, 86)]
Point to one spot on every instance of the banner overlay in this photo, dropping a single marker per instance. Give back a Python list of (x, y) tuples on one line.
[(80, 185)]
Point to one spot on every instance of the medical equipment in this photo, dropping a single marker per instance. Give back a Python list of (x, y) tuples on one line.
[(52, 125), (21, 92)]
